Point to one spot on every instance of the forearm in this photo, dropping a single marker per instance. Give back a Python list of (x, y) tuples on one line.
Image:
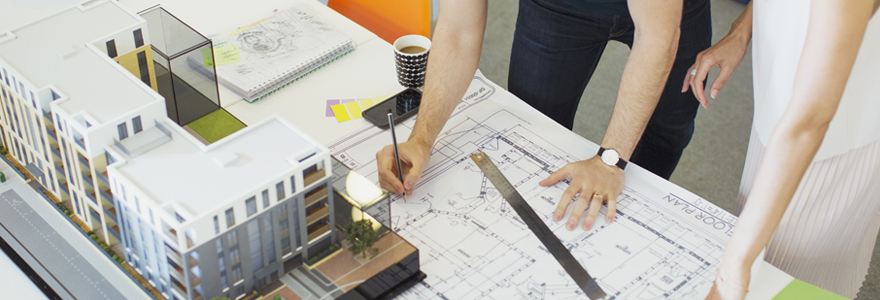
[(644, 77), (832, 43), (452, 63), (786, 159)]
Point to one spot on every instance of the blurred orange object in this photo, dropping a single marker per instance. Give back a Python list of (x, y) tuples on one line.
[(389, 19)]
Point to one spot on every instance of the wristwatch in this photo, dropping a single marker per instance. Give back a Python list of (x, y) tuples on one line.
[(611, 157)]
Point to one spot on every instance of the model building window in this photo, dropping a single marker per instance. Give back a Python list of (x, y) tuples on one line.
[(235, 258), (236, 276), (138, 38), (279, 190), (216, 225), (223, 280), (292, 184), (256, 248), (251, 204), (143, 67), (136, 123), (111, 48), (232, 239), (230, 218), (123, 131), (265, 197)]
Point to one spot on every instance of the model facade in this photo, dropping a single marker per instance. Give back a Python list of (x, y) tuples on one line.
[(80, 110)]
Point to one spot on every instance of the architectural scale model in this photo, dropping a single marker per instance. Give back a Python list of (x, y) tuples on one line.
[(234, 219)]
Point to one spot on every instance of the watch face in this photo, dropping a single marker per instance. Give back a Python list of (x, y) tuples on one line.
[(610, 157)]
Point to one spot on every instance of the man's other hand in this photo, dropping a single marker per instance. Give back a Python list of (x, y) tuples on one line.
[(595, 182)]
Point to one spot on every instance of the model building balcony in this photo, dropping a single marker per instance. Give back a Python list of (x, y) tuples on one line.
[(102, 176), (110, 212), (57, 153), (312, 176), (173, 256), (50, 130), (83, 161), (92, 198), (197, 296), (316, 214), (88, 180), (178, 288), (114, 231), (318, 229), (107, 195), (176, 270), (194, 280), (315, 195)]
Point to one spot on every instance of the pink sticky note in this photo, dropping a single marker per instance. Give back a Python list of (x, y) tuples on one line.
[(331, 102)]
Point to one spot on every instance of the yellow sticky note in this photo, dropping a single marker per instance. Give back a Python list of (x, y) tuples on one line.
[(367, 103), (354, 109), (223, 55), (340, 113)]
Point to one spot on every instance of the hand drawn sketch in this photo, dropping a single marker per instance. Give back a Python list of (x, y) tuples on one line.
[(666, 242), (277, 50), (283, 34)]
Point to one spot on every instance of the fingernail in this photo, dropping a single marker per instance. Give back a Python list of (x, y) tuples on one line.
[(556, 216), (713, 93), (409, 185), (609, 219), (588, 224), (570, 225)]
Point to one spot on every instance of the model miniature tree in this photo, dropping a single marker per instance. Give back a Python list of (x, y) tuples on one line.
[(361, 236)]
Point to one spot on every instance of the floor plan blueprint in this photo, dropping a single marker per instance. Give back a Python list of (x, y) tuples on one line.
[(666, 242)]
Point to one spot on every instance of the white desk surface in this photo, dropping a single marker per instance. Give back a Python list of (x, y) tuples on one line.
[(14, 284), (366, 72)]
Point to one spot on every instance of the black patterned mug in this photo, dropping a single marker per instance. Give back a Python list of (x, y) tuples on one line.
[(411, 57)]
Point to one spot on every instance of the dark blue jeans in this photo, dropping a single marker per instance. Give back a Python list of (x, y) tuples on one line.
[(557, 46)]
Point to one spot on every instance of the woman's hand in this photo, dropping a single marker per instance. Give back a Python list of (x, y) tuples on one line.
[(726, 54), (731, 283)]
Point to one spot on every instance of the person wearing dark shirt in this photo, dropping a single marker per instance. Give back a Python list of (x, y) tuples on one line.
[(557, 45)]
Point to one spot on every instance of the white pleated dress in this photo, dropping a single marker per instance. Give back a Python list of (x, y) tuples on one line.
[(826, 236)]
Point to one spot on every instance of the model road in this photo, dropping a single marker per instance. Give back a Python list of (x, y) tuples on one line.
[(59, 252)]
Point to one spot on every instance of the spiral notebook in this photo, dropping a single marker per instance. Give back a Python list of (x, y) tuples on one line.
[(260, 58)]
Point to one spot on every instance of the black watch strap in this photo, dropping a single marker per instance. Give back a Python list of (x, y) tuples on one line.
[(620, 162)]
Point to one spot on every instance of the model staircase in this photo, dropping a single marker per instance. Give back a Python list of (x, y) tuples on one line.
[(311, 284)]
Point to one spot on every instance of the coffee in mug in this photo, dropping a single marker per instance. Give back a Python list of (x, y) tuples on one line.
[(413, 50), (411, 57)]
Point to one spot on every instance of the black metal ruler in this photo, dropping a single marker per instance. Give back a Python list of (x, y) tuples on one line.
[(528, 215)]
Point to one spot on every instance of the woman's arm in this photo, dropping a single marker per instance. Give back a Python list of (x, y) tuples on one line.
[(835, 32)]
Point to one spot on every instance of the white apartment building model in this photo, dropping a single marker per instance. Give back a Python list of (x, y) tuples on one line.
[(197, 221)]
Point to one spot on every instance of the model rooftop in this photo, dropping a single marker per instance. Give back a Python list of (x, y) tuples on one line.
[(202, 178), (56, 50)]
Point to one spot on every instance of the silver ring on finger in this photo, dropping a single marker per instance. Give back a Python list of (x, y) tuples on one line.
[(693, 71)]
